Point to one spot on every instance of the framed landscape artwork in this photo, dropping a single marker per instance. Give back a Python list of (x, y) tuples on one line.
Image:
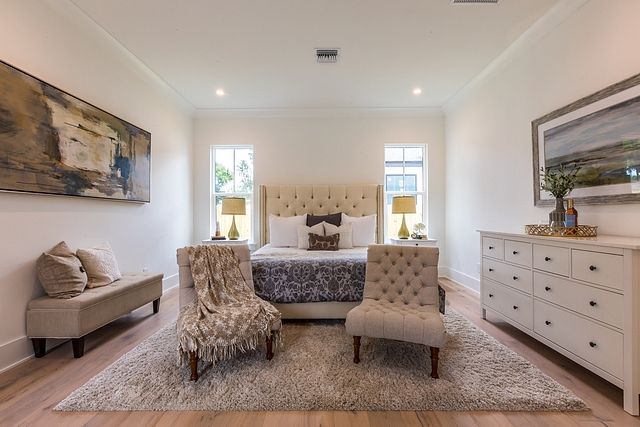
[(600, 134), (54, 143)]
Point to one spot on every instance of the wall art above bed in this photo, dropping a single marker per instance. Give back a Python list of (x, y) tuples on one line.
[(599, 133), (54, 143)]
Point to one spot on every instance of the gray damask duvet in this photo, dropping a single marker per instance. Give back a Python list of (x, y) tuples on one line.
[(286, 275)]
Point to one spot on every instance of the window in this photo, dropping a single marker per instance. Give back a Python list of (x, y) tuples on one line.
[(405, 175), (232, 176)]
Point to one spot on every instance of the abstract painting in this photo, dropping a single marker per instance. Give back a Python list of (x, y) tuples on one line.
[(600, 134), (54, 143)]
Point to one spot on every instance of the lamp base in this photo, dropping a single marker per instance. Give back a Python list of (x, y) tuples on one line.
[(403, 233), (233, 231)]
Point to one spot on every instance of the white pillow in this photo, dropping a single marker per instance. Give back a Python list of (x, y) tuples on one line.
[(364, 229), (303, 234), (100, 264), (345, 231), (283, 231)]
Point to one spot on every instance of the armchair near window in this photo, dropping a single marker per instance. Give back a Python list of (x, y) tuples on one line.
[(400, 299)]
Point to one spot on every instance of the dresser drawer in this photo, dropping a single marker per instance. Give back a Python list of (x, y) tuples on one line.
[(517, 252), (508, 302), (551, 259), (598, 345), (597, 267), (598, 304), (492, 247), (510, 275)]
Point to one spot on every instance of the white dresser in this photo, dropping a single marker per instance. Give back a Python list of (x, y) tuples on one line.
[(579, 296)]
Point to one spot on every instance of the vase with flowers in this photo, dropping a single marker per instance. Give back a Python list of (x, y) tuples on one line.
[(559, 183)]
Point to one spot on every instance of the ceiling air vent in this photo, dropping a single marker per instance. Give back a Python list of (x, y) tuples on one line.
[(327, 55), (456, 2)]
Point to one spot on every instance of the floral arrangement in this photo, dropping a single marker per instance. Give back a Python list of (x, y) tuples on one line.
[(559, 183)]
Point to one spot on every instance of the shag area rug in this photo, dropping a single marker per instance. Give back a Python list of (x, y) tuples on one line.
[(314, 370)]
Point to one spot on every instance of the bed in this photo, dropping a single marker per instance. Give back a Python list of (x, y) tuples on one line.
[(315, 284)]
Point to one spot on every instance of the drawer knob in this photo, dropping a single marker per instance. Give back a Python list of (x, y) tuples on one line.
[(515, 252), (592, 267), (546, 322), (515, 307), (490, 270), (490, 247), (546, 288), (592, 303), (592, 344), (547, 258), (490, 295), (515, 277)]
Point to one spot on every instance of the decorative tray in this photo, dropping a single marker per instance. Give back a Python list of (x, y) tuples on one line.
[(546, 230)]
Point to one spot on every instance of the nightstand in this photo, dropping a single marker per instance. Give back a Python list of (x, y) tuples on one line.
[(226, 242), (414, 242)]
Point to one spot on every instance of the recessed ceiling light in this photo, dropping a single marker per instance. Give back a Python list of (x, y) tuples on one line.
[(417, 91), (219, 92)]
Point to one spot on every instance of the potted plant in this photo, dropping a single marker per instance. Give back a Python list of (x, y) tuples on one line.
[(559, 183)]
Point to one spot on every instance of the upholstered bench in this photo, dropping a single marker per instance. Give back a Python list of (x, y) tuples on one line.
[(95, 307)]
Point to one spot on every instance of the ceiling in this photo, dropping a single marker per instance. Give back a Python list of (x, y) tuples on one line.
[(262, 53)]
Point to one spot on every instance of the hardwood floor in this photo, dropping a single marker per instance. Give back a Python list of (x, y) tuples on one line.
[(29, 391)]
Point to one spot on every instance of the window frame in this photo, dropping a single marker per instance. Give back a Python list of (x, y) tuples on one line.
[(424, 193), (249, 196)]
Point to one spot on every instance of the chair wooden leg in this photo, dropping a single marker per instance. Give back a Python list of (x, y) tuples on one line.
[(434, 362), (356, 349), (270, 346), (193, 362), (156, 305)]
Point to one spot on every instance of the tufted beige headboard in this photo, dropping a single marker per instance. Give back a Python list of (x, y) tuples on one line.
[(292, 200)]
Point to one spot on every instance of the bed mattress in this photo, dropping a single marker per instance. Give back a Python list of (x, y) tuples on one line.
[(292, 275)]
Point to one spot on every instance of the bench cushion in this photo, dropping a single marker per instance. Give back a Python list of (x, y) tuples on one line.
[(73, 318)]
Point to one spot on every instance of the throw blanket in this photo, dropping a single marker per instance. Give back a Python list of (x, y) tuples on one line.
[(227, 315)]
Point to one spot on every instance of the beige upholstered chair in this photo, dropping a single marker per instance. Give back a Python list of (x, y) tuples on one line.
[(400, 299), (188, 293)]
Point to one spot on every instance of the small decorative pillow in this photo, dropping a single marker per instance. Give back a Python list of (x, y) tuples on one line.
[(331, 219), (345, 231), (61, 273), (283, 231), (303, 234), (101, 265), (323, 243)]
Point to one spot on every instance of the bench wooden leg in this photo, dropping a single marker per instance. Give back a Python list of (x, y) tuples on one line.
[(156, 305), (39, 346), (270, 346), (356, 349), (78, 347), (193, 362), (434, 362)]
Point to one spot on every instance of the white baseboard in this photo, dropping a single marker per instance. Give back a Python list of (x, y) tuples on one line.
[(461, 278), (170, 282), (20, 350)]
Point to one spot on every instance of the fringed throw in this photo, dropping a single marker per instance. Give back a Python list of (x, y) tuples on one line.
[(227, 315)]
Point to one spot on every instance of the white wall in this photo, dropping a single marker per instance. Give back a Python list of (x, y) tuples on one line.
[(489, 172), (318, 150), (48, 46)]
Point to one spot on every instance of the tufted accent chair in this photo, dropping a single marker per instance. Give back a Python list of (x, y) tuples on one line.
[(400, 299)]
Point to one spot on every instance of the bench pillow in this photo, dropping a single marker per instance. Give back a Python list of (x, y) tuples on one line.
[(101, 265), (61, 273)]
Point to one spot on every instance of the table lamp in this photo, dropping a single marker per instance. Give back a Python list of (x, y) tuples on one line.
[(233, 206), (403, 205)]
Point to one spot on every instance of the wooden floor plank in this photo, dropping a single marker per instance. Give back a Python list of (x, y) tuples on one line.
[(29, 391)]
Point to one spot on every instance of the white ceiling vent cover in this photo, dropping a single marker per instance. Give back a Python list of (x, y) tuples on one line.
[(457, 2), (327, 55)]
